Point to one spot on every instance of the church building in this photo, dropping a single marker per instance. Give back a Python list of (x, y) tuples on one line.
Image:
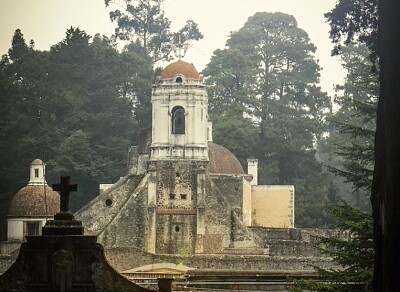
[(183, 193)]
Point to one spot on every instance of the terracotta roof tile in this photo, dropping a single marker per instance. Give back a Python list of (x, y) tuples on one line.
[(222, 160), (180, 67)]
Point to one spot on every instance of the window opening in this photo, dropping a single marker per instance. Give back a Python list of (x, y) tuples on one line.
[(171, 196), (178, 120), (32, 228), (178, 80), (183, 196), (36, 172), (109, 202), (177, 229)]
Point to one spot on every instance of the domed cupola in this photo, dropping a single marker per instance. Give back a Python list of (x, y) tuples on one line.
[(32, 205), (180, 72), (179, 114)]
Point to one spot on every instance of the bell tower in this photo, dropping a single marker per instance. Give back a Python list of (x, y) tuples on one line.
[(178, 160), (180, 115)]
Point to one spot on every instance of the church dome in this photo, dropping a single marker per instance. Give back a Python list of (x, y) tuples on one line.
[(180, 68), (31, 200), (37, 162), (223, 161)]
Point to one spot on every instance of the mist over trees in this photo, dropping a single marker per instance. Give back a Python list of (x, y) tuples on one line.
[(145, 24), (80, 105), (264, 88)]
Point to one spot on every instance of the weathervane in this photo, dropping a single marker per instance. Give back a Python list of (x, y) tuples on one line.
[(180, 48)]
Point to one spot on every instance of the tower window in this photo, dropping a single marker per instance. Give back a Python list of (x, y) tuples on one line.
[(178, 80), (183, 196), (36, 172), (171, 196), (178, 120)]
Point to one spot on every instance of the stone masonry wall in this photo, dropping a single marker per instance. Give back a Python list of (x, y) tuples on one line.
[(124, 259)]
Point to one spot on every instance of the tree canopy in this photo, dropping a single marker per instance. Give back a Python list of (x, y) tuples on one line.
[(144, 22), (78, 107), (267, 78)]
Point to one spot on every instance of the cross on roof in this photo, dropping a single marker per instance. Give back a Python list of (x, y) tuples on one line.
[(63, 189), (180, 48)]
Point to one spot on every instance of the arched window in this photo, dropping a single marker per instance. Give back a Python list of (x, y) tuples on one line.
[(178, 120)]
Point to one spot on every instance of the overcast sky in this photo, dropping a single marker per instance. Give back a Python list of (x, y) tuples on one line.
[(45, 21)]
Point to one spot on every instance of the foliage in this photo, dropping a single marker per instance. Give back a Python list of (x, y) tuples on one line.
[(144, 23), (352, 126), (354, 254), (354, 21), (267, 77), (351, 132), (78, 107)]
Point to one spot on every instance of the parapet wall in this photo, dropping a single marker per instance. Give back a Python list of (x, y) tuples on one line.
[(125, 258), (300, 234)]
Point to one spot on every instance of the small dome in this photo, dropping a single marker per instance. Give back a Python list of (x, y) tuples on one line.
[(222, 160), (37, 162), (30, 201), (180, 67)]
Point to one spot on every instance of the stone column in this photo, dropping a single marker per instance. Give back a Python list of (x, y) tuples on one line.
[(151, 208), (201, 226), (252, 168)]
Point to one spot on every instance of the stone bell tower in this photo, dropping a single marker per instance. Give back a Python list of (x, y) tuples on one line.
[(179, 125), (178, 160)]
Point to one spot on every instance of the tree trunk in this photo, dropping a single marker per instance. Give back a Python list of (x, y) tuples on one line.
[(385, 195)]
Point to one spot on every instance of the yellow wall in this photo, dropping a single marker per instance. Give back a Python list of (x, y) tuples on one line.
[(272, 206)]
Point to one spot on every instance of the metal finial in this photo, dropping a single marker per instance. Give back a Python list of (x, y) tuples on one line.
[(180, 48)]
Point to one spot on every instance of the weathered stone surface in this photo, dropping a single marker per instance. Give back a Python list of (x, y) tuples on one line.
[(46, 263), (125, 258)]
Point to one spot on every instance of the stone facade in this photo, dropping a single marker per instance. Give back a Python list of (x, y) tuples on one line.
[(187, 199)]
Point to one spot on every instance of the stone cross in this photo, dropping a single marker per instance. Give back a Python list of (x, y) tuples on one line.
[(64, 188)]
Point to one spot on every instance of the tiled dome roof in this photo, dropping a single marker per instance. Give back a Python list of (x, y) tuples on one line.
[(30, 201), (222, 160), (180, 67)]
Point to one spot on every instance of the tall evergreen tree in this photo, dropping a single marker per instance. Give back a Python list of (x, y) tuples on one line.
[(269, 75), (385, 194), (352, 125), (67, 106)]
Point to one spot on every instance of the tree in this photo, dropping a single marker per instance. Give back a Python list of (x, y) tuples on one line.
[(77, 107), (268, 74), (354, 21), (143, 22), (353, 255), (352, 126), (385, 196)]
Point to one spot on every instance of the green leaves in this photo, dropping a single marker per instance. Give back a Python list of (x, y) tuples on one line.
[(352, 126), (352, 253), (90, 99), (354, 20), (143, 22), (267, 78)]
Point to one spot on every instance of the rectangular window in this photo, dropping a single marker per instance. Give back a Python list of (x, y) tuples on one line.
[(36, 172), (183, 196), (171, 196), (32, 228)]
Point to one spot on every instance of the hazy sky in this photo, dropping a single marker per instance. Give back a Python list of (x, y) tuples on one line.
[(45, 21)]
